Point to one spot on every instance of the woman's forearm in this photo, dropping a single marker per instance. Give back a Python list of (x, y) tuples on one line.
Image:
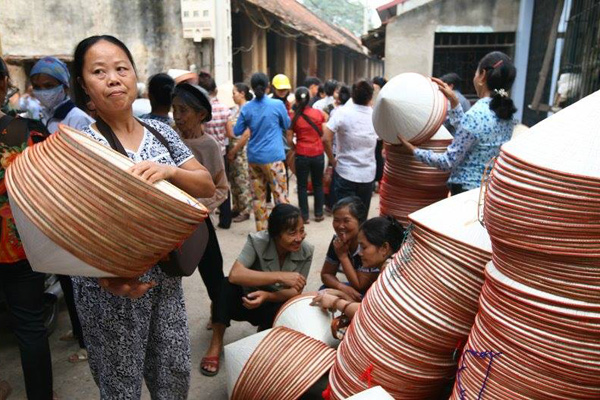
[(247, 277), (221, 192), (282, 296), (350, 272), (197, 183)]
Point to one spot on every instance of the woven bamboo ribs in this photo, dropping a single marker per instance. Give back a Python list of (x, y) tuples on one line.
[(79, 211), (540, 306), (280, 364), (409, 185), (420, 309)]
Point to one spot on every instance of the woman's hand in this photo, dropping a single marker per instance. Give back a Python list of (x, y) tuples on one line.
[(152, 172), (255, 299), (447, 91), (350, 293), (324, 300), (231, 154), (292, 280), (406, 144), (126, 287), (340, 246)]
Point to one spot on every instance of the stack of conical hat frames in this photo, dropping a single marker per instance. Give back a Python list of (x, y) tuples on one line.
[(409, 185), (410, 105), (298, 314), (540, 306), (420, 309), (79, 212), (277, 364)]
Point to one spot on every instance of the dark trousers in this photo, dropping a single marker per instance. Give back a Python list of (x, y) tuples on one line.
[(345, 188), (24, 291), (379, 160), (312, 166), (456, 188), (67, 287), (225, 207), (211, 264), (229, 306)]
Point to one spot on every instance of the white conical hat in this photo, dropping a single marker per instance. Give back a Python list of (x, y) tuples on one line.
[(406, 105), (457, 218), (567, 142), (236, 355), (442, 134), (299, 315), (375, 393), (180, 75)]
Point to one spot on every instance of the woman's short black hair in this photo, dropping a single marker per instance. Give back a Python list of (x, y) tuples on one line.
[(79, 95), (362, 92), (381, 230), (283, 218), (344, 94), (355, 206), (330, 87), (259, 83), (243, 88), (160, 90), (500, 76), (379, 80)]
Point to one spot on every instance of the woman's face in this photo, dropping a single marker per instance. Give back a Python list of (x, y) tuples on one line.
[(372, 256), (345, 225), (186, 118), (291, 239), (109, 78), (238, 97)]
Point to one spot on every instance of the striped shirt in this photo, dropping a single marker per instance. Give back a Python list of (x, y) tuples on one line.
[(217, 126)]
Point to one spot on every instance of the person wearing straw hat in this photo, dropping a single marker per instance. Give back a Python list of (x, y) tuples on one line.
[(23, 288), (481, 131), (50, 80), (135, 329), (271, 269)]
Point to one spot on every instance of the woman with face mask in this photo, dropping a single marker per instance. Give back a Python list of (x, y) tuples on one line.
[(50, 81)]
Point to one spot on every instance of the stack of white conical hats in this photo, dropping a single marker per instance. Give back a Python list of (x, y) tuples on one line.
[(409, 185), (540, 307), (276, 364), (409, 105), (298, 314), (80, 212), (420, 309)]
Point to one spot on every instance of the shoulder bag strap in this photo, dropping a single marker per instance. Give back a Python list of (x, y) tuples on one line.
[(110, 136), (311, 123)]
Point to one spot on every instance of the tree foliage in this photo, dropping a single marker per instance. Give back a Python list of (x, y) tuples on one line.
[(346, 13)]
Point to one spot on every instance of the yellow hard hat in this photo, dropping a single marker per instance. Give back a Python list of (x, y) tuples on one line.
[(280, 82)]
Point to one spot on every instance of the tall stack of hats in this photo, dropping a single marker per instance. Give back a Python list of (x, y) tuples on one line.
[(537, 335), (410, 105), (80, 212), (420, 309), (408, 184)]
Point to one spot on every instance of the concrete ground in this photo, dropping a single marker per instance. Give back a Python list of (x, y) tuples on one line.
[(74, 381)]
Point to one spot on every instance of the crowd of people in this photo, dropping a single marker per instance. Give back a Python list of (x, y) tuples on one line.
[(234, 161)]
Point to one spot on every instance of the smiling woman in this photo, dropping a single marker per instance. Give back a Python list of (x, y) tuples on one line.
[(137, 325)]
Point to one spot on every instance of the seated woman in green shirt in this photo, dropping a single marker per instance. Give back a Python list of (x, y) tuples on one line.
[(272, 268)]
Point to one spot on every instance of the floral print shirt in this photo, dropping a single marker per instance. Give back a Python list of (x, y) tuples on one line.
[(12, 143), (477, 140)]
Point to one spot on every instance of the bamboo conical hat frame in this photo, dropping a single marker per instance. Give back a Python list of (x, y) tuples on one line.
[(72, 191)]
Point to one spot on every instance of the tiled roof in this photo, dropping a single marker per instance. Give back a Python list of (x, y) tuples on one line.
[(293, 14)]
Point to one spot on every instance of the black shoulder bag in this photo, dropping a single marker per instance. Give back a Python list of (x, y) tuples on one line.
[(184, 260)]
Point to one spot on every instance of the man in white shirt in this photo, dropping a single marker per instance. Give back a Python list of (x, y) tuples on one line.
[(50, 81), (330, 88), (356, 140)]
